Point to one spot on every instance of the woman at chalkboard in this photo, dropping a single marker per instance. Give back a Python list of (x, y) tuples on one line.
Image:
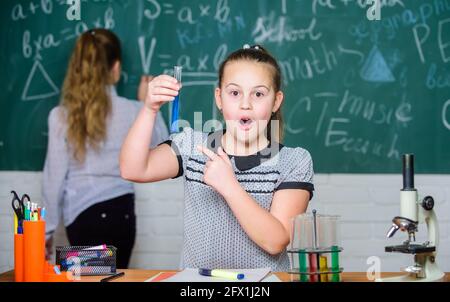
[(81, 178)]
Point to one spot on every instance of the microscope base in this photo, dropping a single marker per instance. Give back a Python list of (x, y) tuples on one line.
[(431, 271), (411, 278)]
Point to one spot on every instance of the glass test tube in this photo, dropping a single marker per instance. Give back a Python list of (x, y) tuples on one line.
[(175, 104)]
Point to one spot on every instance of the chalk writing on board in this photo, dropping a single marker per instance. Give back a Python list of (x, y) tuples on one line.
[(375, 69), (186, 14), (352, 87), (222, 11), (200, 71), (306, 102), (444, 45), (320, 59), (421, 40), (373, 111), (40, 43), (393, 58), (283, 7), (445, 115), (350, 51), (191, 79), (293, 115), (437, 78), (360, 32), (204, 10), (21, 12), (323, 3), (421, 33), (333, 124), (49, 90), (276, 29), (337, 135), (322, 115), (153, 11), (146, 56)]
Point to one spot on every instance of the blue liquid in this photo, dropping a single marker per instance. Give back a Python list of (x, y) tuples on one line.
[(175, 110)]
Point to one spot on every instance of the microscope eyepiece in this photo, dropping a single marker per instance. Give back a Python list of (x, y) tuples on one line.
[(408, 172)]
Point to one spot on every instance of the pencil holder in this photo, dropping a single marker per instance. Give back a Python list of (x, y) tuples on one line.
[(50, 274), (314, 248), (34, 250), (87, 260), (18, 257)]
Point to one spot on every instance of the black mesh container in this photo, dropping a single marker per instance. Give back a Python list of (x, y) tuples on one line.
[(87, 260)]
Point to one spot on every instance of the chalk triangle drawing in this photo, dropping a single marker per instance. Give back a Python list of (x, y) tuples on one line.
[(50, 89), (375, 69)]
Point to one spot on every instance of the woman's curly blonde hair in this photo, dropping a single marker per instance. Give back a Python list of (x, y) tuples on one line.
[(85, 97)]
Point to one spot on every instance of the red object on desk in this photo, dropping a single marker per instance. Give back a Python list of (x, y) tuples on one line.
[(163, 276)]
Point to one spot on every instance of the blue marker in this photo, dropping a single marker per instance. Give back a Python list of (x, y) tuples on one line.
[(43, 212), (175, 103)]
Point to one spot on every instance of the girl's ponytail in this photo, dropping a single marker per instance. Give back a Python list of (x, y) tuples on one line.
[(85, 95)]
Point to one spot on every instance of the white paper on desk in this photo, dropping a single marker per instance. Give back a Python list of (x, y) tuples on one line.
[(192, 275), (271, 278)]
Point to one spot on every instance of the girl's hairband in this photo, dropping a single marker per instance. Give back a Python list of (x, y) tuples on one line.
[(247, 46)]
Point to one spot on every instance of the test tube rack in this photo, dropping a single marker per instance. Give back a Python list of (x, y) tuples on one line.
[(314, 265)]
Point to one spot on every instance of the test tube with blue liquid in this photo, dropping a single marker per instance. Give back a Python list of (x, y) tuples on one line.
[(176, 101)]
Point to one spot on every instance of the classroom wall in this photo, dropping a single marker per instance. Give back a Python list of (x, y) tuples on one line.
[(367, 203)]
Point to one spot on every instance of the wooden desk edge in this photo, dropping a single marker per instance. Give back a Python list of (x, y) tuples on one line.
[(141, 275)]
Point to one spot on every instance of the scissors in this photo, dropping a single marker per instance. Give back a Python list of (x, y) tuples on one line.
[(18, 205)]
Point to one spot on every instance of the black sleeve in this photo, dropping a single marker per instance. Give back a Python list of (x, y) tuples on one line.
[(297, 185), (179, 158)]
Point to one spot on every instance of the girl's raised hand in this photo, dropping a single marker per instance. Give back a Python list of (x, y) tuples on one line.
[(161, 89), (218, 171), (143, 87)]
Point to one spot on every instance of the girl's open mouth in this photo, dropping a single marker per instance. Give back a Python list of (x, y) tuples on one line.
[(245, 123)]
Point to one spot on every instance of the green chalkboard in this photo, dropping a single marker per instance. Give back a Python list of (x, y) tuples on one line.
[(359, 92)]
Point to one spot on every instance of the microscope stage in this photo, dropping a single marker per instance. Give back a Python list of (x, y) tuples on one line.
[(410, 248)]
